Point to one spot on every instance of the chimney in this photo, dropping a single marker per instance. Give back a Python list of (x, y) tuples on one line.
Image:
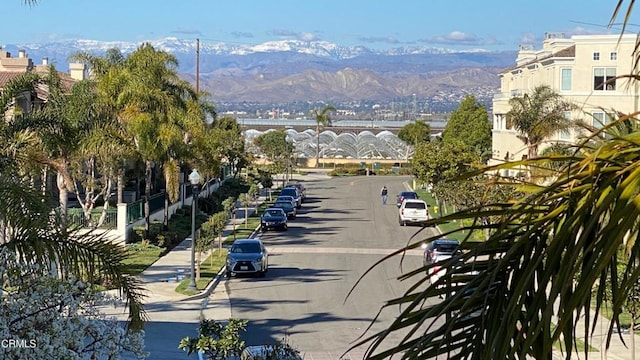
[(22, 54), (77, 71), (45, 61)]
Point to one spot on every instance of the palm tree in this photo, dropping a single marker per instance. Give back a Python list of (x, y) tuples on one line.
[(58, 129), (323, 119), (38, 238), (537, 116)]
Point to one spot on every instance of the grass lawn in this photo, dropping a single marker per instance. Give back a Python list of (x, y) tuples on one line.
[(253, 221), (141, 257), (606, 312), (209, 268), (445, 227)]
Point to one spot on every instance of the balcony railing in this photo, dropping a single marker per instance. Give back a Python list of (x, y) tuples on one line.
[(76, 218)]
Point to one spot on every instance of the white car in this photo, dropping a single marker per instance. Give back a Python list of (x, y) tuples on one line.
[(438, 250), (413, 211)]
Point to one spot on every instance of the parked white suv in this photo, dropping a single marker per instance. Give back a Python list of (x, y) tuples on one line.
[(413, 211)]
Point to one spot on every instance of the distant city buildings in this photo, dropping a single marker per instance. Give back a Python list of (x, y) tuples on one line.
[(587, 70)]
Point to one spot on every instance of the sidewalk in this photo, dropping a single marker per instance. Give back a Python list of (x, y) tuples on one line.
[(617, 349), (162, 277)]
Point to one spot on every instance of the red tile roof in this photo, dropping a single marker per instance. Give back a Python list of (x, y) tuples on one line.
[(6, 76)]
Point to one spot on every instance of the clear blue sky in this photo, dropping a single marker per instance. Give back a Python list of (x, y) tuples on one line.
[(462, 24)]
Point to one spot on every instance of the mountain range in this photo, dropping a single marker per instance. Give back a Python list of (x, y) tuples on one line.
[(291, 70)]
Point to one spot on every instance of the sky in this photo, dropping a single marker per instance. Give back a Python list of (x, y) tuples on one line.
[(463, 24)]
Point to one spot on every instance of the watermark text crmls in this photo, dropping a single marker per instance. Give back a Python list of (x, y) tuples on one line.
[(18, 343)]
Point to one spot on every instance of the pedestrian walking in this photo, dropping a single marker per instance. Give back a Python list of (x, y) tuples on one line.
[(384, 193)]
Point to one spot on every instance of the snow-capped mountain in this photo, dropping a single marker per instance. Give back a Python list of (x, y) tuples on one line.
[(287, 69), (183, 48)]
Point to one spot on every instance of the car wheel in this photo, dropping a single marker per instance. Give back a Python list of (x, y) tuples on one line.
[(228, 273), (262, 273), (285, 227)]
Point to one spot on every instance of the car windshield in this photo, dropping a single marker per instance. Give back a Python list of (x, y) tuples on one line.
[(409, 195), (284, 205), (289, 191), (273, 213), (448, 248), (245, 248), (415, 205)]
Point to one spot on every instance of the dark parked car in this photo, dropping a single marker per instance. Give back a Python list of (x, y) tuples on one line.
[(273, 218), (301, 189), (289, 209), (405, 195), (293, 191), (247, 256), (288, 198)]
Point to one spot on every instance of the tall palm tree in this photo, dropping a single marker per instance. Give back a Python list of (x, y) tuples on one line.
[(323, 119), (58, 127), (537, 116)]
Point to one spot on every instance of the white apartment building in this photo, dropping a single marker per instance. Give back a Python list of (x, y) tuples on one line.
[(584, 69)]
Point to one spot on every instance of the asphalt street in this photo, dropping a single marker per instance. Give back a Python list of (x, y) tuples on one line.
[(341, 232)]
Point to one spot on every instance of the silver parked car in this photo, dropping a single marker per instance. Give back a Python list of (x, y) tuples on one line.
[(439, 250), (247, 256)]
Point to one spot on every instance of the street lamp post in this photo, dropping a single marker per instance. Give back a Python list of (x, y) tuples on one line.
[(194, 179)]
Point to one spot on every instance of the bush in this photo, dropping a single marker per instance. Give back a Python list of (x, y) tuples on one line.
[(167, 239)]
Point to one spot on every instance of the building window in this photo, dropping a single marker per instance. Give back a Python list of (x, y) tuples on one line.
[(596, 56), (613, 56), (601, 119), (604, 78), (565, 80)]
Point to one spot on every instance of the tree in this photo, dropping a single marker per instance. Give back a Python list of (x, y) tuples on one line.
[(538, 116), (216, 340), (57, 129), (277, 149), (109, 139), (323, 118), (229, 205), (245, 200), (415, 133), (438, 161), (470, 124), (232, 146), (149, 107), (213, 229)]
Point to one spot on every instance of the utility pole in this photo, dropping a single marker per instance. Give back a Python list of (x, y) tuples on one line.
[(197, 66)]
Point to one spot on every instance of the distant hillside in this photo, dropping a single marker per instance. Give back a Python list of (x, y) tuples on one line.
[(346, 84), (284, 71)]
